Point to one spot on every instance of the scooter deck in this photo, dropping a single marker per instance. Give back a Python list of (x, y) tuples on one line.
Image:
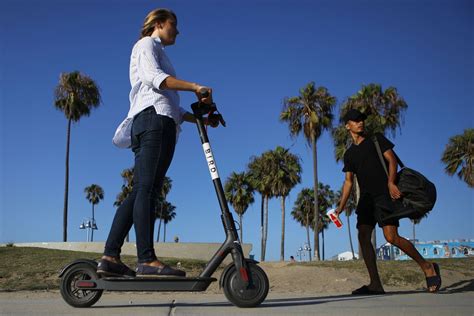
[(163, 284)]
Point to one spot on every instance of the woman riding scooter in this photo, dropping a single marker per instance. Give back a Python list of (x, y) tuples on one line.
[(150, 130)]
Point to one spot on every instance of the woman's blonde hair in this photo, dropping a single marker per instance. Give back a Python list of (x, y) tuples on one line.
[(158, 15)]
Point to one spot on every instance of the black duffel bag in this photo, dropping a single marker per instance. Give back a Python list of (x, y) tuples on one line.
[(418, 193)]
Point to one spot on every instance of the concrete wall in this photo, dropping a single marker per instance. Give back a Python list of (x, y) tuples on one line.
[(202, 251)]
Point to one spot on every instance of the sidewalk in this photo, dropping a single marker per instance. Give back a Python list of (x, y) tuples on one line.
[(394, 303)]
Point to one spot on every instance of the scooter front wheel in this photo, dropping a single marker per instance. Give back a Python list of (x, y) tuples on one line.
[(79, 297), (246, 296)]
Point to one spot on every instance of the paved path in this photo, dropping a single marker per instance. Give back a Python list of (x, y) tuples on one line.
[(394, 303)]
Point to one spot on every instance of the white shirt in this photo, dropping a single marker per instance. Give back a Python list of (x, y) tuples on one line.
[(149, 66)]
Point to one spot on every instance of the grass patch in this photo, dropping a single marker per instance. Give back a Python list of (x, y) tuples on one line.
[(25, 268)]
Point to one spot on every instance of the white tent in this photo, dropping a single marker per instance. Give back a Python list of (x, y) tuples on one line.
[(344, 256)]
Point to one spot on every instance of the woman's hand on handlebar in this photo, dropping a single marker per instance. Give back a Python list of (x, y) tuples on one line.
[(204, 99)]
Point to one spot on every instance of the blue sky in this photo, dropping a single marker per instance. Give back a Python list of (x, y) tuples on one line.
[(253, 54)]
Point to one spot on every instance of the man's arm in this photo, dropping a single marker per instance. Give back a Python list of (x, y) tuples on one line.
[(346, 191), (392, 174)]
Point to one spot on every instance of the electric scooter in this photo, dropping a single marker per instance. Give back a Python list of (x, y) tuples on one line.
[(244, 283)]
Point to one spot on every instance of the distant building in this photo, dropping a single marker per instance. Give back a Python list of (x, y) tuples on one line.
[(436, 249), (344, 256)]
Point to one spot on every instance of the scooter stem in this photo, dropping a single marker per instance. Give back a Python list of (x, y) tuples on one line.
[(232, 244)]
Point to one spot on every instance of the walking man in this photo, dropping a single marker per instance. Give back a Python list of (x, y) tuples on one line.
[(376, 190)]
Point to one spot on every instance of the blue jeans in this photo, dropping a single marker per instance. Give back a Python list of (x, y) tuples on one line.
[(153, 142)]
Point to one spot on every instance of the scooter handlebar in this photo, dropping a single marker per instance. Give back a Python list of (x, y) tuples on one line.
[(200, 109), (203, 92)]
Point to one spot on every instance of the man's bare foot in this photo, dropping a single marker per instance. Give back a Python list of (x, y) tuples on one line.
[(430, 271)]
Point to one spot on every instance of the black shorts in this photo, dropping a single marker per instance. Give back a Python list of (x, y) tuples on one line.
[(367, 210)]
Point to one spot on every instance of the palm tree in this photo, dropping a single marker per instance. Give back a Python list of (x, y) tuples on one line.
[(94, 193), (323, 225), (168, 215), (326, 199), (303, 212), (239, 193), (75, 95), (165, 189), (384, 110), (351, 206), (127, 187), (310, 112), (285, 173), (260, 180), (459, 156)]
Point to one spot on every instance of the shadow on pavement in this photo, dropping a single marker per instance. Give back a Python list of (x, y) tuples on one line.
[(164, 305), (406, 292), (459, 287), (301, 301), (283, 302)]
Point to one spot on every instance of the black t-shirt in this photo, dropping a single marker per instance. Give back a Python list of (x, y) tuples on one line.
[(364, 161)]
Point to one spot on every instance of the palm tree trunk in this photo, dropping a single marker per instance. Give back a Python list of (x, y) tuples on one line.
[(93, 217), (350, 237), (164, 232), (316, 204), (322, 233), (414, 232), (66, 185), (262, 245), (282, 243), (158, 233), (159, 224), (265, 228), (241, 230), (307, 235)]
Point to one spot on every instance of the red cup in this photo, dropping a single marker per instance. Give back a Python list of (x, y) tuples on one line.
[(334, 218)]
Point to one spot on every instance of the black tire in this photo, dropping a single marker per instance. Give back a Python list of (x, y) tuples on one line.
[(254, 294), (74, 296)]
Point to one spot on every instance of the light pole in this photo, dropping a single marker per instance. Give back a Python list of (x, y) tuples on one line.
[(307, 248), (300, 250), (89, 225)]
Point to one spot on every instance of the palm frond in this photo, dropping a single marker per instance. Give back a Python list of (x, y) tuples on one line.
[(76, 94), (458, 156)]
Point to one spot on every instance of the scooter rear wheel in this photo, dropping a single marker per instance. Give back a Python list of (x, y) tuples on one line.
[(79, 297), (252, 295)]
